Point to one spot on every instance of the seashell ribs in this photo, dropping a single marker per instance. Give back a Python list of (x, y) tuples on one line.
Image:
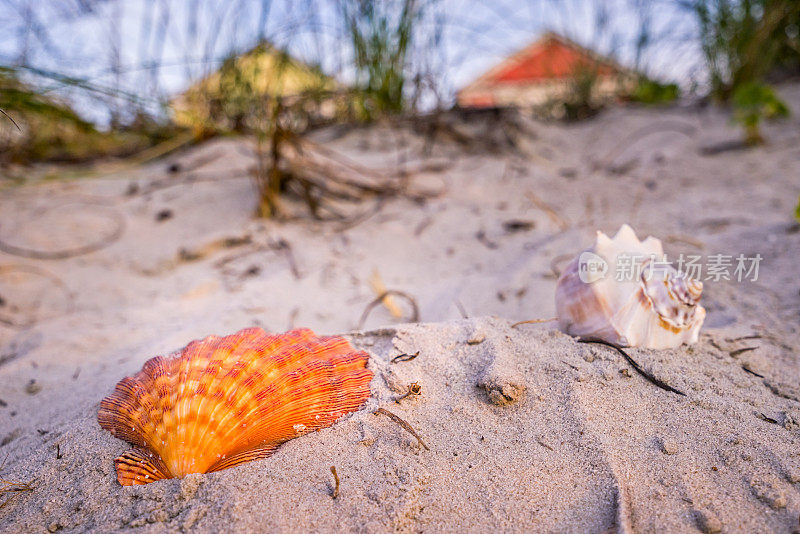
[(655, 306), (222, 401)]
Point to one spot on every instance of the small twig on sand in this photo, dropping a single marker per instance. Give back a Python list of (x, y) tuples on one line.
[(403, 424), (422, 226), (414, 388), (404, 357), (414, 308), (737, 352), (376, 283), (636, 367), (767, 419), (186, 255), (542, 205), (335, 493), (752, 336), (534, 321), (10, 489), (284, 246), (748, 370)]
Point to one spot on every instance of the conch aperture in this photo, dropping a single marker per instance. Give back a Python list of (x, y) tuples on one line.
[(222, 401), (623, 291)]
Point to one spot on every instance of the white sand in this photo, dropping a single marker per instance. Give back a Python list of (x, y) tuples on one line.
[(575, 445)]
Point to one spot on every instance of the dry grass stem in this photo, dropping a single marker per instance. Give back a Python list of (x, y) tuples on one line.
[(335, 493), (414, 307), (636, 366), (376, 283), (11, 489), (408, 428), (551, 213), (404, 357), (534, 321), (414, 388)]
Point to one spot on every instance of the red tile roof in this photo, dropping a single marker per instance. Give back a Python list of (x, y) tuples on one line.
[(547, 60), (550, 57)]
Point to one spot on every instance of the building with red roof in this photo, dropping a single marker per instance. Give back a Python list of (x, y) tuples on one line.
[(543, 72)]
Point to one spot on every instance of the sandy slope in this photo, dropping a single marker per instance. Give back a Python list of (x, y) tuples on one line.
[(583, 447), (575, 444)]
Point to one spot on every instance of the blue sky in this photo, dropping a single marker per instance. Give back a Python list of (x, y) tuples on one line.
[(187, 39)]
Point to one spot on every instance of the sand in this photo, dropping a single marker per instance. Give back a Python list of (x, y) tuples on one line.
[(526, 428)]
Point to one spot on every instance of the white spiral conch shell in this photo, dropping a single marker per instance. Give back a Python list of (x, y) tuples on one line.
[(622, 291)]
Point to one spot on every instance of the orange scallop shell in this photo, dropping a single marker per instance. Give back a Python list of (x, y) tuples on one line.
[(222, 401)]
